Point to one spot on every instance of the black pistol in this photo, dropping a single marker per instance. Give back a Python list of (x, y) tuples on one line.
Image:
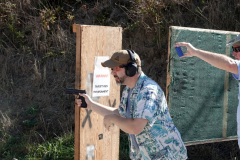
[(76, 92)]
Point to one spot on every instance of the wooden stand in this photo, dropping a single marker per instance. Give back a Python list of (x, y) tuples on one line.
[(92, 140)]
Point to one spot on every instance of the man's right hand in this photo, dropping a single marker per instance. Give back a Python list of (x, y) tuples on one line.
[(191, 51), (88, 100)]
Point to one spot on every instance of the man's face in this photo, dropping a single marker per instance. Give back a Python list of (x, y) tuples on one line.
[(119, 75), (236, 52)]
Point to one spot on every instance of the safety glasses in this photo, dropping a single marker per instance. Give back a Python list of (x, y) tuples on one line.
[(236, 49), (115, 69)]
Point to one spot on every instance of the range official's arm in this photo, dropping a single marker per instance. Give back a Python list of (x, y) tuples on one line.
[(217, 60)]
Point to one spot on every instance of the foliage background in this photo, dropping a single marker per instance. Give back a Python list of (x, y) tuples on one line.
[(37, 61)]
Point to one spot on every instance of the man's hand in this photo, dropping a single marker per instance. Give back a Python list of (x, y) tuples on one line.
[(191, 51), (107, 121), (88, 100)]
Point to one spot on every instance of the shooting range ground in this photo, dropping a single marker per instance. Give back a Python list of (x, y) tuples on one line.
[(202, 99)]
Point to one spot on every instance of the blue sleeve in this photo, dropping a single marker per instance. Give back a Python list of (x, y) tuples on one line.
[(237, 77)]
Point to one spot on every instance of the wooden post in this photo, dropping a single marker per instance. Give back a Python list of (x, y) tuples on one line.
[(92, 140)]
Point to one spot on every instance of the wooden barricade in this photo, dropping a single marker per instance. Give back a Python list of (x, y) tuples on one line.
[(92, 140)]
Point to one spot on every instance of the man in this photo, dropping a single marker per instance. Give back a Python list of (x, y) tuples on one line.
[(222, 62), (142, 113)]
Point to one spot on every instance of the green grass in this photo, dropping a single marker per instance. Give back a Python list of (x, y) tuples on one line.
[(60, 148)]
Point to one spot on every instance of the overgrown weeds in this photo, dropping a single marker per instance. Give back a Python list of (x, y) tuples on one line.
[(60, 148), (36, 45), (37, 58), (55, 149)]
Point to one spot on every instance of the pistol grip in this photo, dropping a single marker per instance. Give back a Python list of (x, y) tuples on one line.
[(84, 104)]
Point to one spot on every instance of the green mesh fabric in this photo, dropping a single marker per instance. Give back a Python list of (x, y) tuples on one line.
[(196, 91)]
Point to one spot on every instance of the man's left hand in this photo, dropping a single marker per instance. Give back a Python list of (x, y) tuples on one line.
[(107, 121)]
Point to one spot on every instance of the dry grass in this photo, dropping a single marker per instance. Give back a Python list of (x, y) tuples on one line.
[(37, 53)]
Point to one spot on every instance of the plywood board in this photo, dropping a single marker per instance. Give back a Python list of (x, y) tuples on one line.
[(96, 41), (202, 99)]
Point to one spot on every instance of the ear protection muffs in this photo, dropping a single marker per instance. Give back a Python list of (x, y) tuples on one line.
[(131, 68)]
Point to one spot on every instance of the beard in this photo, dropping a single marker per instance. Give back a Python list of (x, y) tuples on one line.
[(120, 80)]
